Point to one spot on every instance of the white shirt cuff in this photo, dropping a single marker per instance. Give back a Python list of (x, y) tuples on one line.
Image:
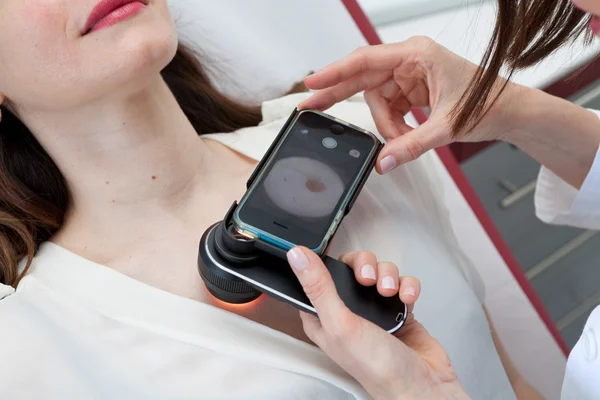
[(557, 202)]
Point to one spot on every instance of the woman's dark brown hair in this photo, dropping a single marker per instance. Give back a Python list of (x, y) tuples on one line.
[(526, 31), (33, 193)]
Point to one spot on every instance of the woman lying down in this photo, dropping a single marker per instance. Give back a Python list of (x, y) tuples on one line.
[(116, 154)]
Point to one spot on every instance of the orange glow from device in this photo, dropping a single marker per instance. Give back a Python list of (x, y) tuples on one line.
[(237, 308)]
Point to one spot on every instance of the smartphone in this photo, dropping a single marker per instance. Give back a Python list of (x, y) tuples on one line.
[(303, 189)]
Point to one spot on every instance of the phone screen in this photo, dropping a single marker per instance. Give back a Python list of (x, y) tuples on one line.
[(307, 180)]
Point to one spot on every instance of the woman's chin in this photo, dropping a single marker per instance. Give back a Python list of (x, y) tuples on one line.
[(148, 42), (153, 45), (131, 63)]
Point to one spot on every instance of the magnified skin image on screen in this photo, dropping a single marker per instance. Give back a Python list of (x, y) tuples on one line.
[(303, 186)]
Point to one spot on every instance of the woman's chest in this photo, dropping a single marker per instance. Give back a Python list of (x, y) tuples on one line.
[(166, 258), (171, 265), (138, 342)]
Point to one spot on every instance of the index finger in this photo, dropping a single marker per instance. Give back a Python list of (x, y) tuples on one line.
[(368, 58)]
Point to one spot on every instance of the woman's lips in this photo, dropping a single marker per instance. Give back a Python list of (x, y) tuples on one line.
[(110, 12)]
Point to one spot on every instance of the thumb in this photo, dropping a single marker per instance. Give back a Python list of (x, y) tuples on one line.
[(411, 145), (318, 285)]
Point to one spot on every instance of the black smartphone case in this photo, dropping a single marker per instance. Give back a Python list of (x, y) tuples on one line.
[(237, 270), (274, 250), (242, 275)]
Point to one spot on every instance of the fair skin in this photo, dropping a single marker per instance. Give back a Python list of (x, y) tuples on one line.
[(97, 104), (414, 367), (143, 185), (420, 73), (124, 146)]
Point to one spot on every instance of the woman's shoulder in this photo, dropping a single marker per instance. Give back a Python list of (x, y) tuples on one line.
[(28, 310), (5, 291), (11, 306), (12, 314)]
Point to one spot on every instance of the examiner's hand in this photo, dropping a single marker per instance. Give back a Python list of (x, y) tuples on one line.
[(397, 77), (408, 365)]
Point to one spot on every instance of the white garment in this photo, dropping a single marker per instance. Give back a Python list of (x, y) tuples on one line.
[(76, 329), (559, 203)]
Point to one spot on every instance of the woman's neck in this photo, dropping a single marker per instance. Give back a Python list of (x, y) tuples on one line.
[(126, 150), (129, 159)]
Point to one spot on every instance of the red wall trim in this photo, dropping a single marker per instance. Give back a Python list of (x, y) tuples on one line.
[(575, 81), (362, 21), (469, 194)]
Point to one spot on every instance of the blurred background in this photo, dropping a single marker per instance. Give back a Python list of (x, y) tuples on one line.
[(562, 264)]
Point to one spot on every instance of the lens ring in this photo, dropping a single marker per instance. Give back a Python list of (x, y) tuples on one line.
[(330, 143)]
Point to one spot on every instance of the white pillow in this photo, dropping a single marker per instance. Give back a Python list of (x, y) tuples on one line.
[(256, 50)]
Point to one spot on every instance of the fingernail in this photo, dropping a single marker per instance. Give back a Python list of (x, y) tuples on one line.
[(297, 259), (388, 283), (387, 164), (409, 291), (368, 272)]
